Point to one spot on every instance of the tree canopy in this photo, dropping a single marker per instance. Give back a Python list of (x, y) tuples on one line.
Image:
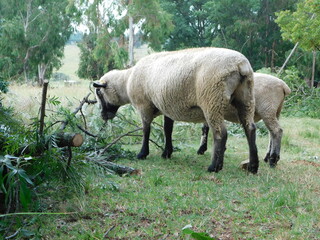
[(33, 34)]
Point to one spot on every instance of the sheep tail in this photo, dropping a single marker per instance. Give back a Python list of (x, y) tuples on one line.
[(245, 71), (286, 89)]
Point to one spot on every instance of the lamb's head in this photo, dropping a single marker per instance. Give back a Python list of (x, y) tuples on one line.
[(108, 99)]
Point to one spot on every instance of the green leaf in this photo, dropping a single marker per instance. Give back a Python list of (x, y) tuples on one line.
[(24, 176), (25, 195)]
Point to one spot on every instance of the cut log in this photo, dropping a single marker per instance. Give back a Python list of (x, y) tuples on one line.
[(61, 139), (69, 139)]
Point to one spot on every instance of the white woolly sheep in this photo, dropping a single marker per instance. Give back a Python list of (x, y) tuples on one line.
[(193, 85), (269, 92)]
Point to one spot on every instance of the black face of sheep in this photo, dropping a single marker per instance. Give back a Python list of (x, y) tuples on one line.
[(108, 111)]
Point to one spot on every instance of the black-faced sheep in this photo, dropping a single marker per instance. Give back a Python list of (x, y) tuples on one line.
[(269, 92), (193, 85)]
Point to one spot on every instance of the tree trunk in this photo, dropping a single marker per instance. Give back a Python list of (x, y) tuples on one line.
[(288, 58), (313, 68), (131, 41), (42, 68), (131, 35)]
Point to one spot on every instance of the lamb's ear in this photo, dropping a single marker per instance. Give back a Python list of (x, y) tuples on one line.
[(99, 85)]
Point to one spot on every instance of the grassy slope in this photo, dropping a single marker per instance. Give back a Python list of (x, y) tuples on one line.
[(281, 203)]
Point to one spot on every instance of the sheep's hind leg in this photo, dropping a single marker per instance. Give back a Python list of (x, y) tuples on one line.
[(204, 139), (168, 127), (219, 146), (273, 154), (144, 152), (250, 131)]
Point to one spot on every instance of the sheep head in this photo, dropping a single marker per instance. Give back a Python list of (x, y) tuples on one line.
[(105, 95)]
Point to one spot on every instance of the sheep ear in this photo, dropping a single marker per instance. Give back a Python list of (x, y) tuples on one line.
[(99, 85)]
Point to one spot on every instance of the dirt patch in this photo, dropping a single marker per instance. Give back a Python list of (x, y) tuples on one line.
[(306, 163)]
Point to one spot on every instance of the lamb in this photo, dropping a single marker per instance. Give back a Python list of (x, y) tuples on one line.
[(193, 85), (269, 92)]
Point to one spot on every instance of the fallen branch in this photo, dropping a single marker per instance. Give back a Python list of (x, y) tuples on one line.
[(116, 168), (79, 108), (118, 138)]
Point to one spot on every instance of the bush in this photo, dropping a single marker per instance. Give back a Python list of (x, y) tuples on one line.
[(303, 101)]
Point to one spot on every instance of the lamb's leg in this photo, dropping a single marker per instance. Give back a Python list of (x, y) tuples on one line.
[(273, 154), (219, 146), (168, 127), (204, 139), (267, 157)]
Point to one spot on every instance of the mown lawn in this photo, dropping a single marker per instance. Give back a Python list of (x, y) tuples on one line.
[(280, 203)]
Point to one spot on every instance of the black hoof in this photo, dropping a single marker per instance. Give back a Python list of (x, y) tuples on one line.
[(253, 169), (213, 168), (267, 158), (166, 155), (142, 156), (201, 150), (274, 160)]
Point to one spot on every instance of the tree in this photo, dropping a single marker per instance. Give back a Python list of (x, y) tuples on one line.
[(102, 47), (302, 26), (244, 25), (33, 35), (192, 25), (112, 26)]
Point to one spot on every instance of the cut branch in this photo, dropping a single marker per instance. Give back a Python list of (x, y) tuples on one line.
[(118, 169), (118, 138)]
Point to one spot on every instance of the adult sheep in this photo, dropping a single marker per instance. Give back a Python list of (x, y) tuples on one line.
[(269, 92), (192, 85)]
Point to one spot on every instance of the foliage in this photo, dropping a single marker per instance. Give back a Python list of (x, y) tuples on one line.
[(246, 26), (155, 22), (303, 101), (192, 28), (101, 47), (302, 25), (104, 45), (14, 182), (33, 35)]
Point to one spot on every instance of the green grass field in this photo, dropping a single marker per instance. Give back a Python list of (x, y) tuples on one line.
[(280, 203), (168, 194)]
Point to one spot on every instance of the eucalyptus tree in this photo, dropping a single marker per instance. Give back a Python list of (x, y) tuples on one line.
[(33, 35), (244, 25), (302, 27), (111, 28)]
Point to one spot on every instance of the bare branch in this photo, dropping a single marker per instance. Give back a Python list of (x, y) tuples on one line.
[(118, 138)]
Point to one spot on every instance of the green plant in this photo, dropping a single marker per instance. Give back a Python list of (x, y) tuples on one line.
[(195, 235), (15, 183)]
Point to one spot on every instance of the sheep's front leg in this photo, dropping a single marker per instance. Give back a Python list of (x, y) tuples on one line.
[(204, 139), (144, 152), (219, 146), (168, 127)]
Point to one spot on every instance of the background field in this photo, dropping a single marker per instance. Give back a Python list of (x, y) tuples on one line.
[(166, 195)]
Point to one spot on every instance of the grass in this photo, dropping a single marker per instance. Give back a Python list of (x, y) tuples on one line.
[(281, 203)]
